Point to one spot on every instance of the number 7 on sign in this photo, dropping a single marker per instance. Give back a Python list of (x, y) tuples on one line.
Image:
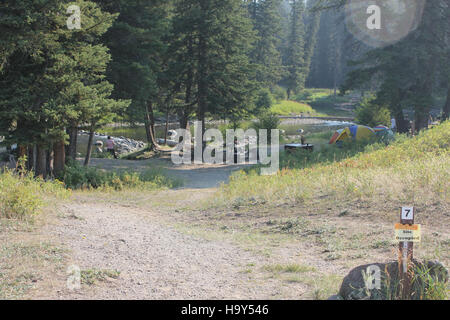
[(407, 213)]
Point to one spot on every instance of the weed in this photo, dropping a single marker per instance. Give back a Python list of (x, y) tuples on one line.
[(91, 276)]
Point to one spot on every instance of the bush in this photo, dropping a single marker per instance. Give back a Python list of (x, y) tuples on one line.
[(371, 114), (305, 95), (264, 100), (77, 176), (279, 93), (267, 121), (23, 196)]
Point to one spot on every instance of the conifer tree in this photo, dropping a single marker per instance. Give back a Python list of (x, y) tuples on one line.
[(294, 60), (265, 15), (213, 41), (55, 80)]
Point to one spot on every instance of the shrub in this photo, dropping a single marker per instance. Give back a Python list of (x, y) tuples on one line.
[(279, 93), (305, 95), (267, 121), (264, 100), (77, 176), (371, 114), (23, 196)]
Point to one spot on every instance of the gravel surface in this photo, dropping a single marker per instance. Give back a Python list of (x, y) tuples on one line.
[(156, 261)]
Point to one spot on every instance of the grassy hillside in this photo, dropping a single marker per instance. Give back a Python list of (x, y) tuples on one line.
[(324, 102), (413, 170), (286, 108)]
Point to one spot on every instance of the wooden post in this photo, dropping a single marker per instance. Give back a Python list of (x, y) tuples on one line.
[(406, 254)]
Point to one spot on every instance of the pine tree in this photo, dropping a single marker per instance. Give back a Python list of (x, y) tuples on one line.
[(294, 59), (312, 23), (265, 15), (213, 41), (406, 73), (138, 48), (57, 83)]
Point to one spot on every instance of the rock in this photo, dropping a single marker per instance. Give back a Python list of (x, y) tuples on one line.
[(354, 287), (123, 145)]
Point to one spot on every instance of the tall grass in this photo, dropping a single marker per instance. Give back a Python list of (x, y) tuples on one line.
[(80, 177), (411, 169), (22, 196), (286, 108)]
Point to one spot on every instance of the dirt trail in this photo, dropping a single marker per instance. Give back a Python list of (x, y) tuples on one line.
[(193, 176), (155, 260)]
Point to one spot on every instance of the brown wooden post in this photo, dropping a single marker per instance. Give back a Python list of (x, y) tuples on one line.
[(406, 254)]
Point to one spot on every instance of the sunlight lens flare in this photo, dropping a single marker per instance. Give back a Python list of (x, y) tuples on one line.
[(379, 23)]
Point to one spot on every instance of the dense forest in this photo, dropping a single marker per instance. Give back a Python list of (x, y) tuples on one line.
[(196, 59)]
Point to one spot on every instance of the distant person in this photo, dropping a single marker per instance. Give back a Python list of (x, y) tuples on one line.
[(393, 125), (110, 147)]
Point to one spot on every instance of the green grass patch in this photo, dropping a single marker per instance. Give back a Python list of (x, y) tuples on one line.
[(91, 276), (324, 102), (289, 268), (286, 108)]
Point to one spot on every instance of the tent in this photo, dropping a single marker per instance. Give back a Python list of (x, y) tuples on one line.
[(384, 133), (354, 132), (380, 128)]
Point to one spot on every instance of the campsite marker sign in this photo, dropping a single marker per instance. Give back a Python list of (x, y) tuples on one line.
[(406, 232)]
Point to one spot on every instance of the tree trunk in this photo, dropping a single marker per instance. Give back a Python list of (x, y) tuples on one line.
[(167, 126), (22, 151), (30, 158), (183, 120), (72, 147), (87, 159), (41, 162), (202, 80), (150, 119), (402, 126), (186, 111), (35, 155), (50, 162), (446, 111), (59, 157), (147, 133), (421, 120)]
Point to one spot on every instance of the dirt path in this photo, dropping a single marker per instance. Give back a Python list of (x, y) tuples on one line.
[(156, 261), (193, 176)]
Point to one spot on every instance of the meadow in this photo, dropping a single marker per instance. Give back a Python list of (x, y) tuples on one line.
[(410, 169)]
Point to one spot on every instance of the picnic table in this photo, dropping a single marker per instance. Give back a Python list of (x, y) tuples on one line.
[(296, 146)]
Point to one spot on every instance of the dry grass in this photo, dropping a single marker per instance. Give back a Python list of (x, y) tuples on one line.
[(413, 171), (25, 263)]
